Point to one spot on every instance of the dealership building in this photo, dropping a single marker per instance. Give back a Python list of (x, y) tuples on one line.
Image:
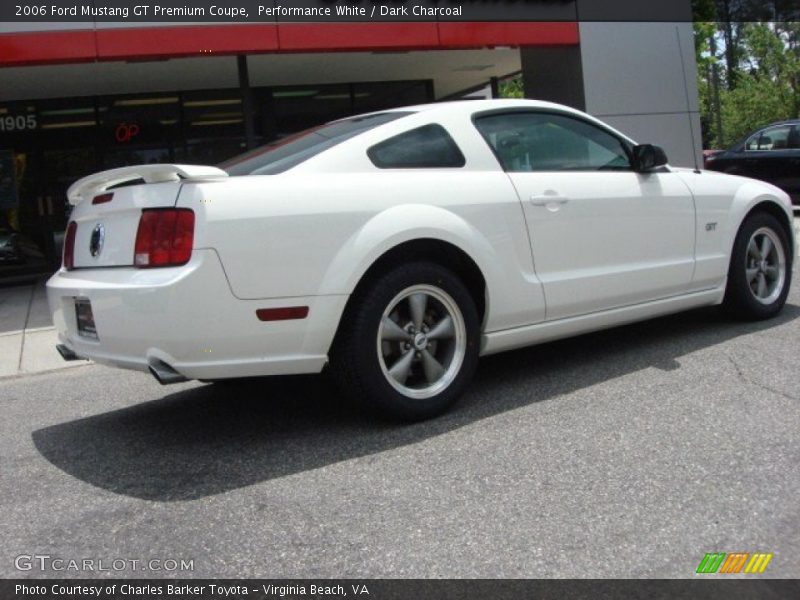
[(80, 96)]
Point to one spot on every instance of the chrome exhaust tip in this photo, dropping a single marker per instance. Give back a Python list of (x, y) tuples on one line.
[(164, 374), (66, 353)]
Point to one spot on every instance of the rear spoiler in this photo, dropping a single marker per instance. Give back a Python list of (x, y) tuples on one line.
[(99, 182)]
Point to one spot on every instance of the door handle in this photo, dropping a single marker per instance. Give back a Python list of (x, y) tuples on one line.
[(545, 199)]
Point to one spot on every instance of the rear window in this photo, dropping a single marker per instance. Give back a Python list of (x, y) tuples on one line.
[(427, 147), (283, 154)]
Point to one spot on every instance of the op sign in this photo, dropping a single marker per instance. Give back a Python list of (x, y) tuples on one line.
[(8, 184)]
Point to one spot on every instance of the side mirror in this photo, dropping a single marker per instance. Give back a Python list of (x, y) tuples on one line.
[(647, 157)]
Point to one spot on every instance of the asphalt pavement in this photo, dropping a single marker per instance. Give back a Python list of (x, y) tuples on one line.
[(626, 453)]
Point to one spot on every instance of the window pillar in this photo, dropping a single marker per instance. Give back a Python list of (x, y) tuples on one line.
[(248, 103)]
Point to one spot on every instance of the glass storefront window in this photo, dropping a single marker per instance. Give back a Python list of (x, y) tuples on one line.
[(298, 108), (212, 114), (52, 143), (139, 129), (62, 118), (368, 97), (213, 125), (215, 152)]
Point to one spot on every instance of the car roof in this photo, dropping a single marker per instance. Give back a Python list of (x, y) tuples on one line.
[(466, 108), (472, 106), (776, 123)]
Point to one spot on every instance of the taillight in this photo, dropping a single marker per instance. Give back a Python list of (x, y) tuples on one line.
[(164, 238), (69, 245)]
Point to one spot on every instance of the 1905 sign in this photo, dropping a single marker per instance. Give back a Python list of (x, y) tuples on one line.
[(11, 123)]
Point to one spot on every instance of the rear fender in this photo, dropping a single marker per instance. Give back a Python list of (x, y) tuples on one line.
[(401, 224)]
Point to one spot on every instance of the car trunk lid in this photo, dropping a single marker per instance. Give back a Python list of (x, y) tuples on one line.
[(108, 207)]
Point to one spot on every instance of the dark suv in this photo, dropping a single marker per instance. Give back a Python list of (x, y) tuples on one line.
[(771, 154)]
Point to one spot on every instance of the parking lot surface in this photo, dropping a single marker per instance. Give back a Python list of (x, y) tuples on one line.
[(626, 453)]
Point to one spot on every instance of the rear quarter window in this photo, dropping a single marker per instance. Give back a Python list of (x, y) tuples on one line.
[(281, 155), (426, 147)]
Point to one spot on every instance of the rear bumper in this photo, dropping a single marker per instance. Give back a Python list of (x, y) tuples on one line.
[(188, 318)]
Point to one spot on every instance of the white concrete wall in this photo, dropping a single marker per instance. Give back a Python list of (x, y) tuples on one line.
[(642, 79)]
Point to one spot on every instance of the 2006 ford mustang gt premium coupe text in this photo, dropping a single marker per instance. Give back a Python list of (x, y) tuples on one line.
[(397, 247)]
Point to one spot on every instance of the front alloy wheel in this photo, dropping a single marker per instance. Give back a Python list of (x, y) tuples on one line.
[(766, 265), (760, 271)]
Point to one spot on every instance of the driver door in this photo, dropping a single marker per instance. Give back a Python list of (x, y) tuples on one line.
[(602, 235)]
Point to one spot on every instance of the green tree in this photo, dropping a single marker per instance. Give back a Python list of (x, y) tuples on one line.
[(512, 88), (766, 83), (708, 81), (768, 88)]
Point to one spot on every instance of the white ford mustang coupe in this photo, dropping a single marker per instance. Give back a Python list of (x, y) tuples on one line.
[(396, 247)]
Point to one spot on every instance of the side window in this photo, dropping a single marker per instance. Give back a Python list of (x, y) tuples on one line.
[(752, 143), (774, 138), (529, 141), (427, 147), (793, 141)]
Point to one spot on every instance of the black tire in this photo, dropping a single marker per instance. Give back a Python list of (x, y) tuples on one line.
[(358, 363), (740, 299)]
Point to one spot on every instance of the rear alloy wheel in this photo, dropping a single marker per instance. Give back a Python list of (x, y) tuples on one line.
[(760, 270), (409, 344), (422, 341)]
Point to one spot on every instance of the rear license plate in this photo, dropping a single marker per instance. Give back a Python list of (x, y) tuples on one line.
[(85, 318)]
